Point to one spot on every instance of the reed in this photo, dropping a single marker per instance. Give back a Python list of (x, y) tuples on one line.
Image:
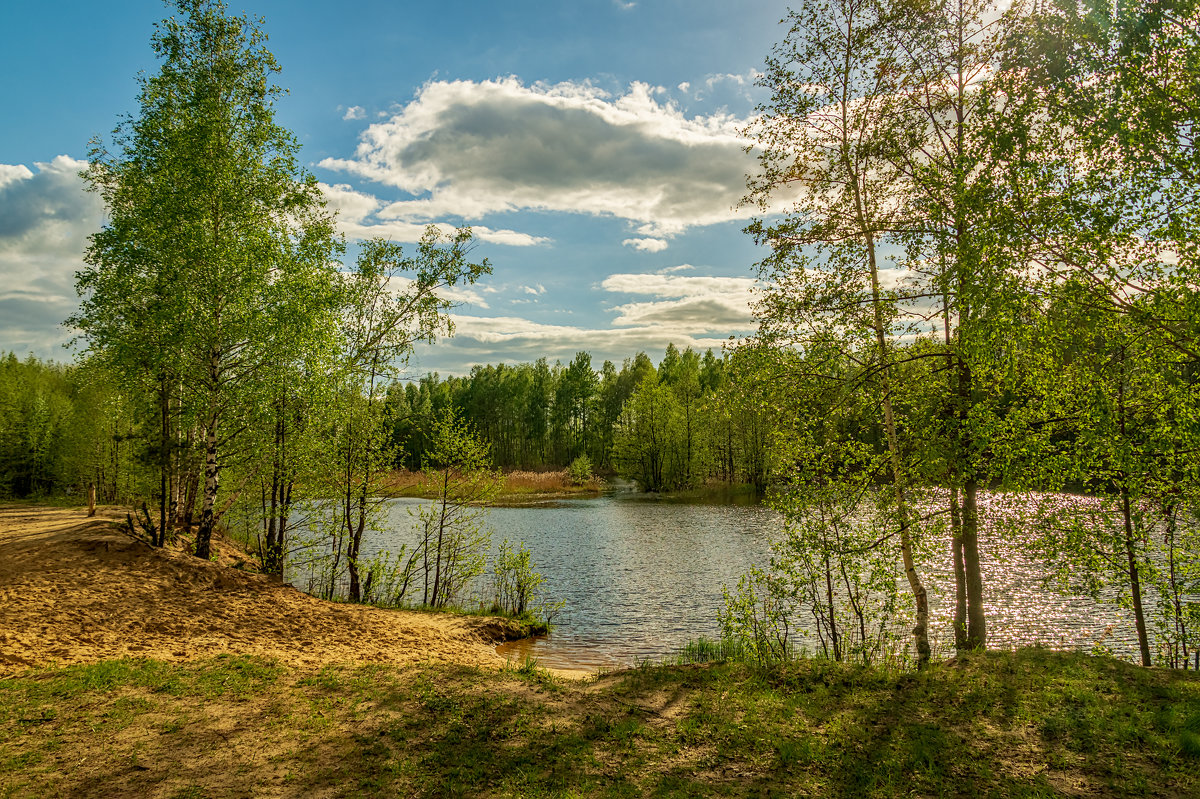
[(404, 483)]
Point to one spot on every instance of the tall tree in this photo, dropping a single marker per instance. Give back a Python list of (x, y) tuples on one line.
[(1103, 187), (381, 325), (823, 138), (215, 263)]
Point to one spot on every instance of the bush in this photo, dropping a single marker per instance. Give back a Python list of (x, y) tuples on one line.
[(516, 579), (580, 471), (756, 620), (517, 583)]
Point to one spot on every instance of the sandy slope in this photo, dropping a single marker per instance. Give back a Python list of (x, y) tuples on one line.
[(76, 590)]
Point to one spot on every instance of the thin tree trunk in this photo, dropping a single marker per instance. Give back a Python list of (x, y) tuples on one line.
[(976, 619), (164, 465), (960, 573), (354, 545), (281, 539), (1170, 514), (1135, 582), (212, 473), (833, 631), (437, 573), (920, 596), (189, 503), (173, 476)]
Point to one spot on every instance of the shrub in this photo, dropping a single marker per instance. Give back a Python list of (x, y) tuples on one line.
[(580, 471), (517, 583)]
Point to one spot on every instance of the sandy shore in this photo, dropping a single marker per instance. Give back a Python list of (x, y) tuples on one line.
[(77, 590)]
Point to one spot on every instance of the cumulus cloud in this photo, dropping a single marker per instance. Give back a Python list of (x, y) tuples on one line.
[(646, 245), (683, 303), (458, 295), (685, 310), (536, 291), (729, 77), (469, 149), (355, 112), (45, 219), (364, 216), (479, 340), (11, 173)]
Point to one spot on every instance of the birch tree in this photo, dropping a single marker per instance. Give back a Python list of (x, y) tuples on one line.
[(391, 302), (822, 153), (215, 263)]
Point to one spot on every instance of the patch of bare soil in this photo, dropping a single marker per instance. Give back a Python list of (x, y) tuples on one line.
[(78, 590)]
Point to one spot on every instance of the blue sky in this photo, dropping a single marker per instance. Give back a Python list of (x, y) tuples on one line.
[(593, 145)]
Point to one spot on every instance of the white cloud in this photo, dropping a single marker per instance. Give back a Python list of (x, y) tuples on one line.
[(462, 295), (363, 216), (466, 149), (625, 5), (11, 173), (646, 245), (536, 291), (686, 304), (45, 219), (669, 285), (459, 295), (688, 311), (355, 112), (500, 339), (729, 77)]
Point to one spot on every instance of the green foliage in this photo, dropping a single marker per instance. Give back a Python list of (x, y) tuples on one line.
[(214, 268), (517, 587), (1031, 175), (579, 472), (515, 578), (212, 297), (757, 619), (830, 569), (454, 533), (62, 428), (540, 415)]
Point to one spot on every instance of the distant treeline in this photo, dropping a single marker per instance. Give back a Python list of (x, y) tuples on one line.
[(673, 426), (62, 427)]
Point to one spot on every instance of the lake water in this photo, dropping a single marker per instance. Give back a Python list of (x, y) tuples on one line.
[(641, 577)]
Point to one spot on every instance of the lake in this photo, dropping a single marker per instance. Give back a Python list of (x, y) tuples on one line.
[(643, 576)]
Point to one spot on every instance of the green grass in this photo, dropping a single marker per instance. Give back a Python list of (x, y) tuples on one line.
[(1027, 724)]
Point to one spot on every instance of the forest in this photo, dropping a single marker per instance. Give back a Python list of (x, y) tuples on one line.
[(979, 279)]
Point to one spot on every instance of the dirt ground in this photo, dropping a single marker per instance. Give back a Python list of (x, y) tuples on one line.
[(78, 590)]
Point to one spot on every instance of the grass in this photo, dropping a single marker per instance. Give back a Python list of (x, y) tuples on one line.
[(1026, 724)]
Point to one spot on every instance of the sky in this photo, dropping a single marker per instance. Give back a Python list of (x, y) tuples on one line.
[(594, 147)]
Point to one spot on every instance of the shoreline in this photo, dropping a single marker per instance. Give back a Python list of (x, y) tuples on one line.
[(77, 590)]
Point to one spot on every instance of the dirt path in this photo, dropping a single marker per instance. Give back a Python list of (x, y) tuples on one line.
[(77, 590)]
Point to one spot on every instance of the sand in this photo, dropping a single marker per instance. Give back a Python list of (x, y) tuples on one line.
[(78, 590)]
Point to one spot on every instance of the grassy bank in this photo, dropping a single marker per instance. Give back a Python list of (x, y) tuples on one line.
[(1034, 723)]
